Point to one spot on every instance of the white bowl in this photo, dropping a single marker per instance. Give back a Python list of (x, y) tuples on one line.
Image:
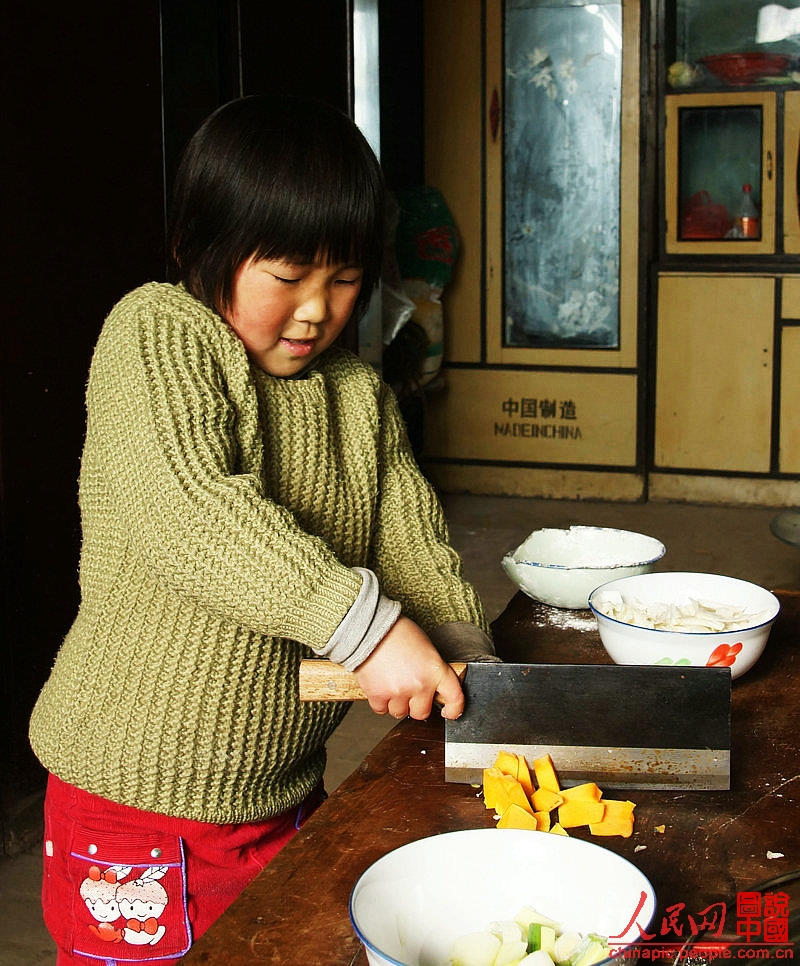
[(412, 904), (737, 648), (562, 567)]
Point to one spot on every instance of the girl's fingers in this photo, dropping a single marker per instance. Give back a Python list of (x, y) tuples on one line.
[(398, 707), (420, 705), (451, 696), (453, 710)]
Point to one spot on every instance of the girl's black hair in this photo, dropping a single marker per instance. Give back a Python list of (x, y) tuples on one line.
[(275, 177)]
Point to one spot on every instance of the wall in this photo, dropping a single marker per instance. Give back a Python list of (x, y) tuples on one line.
[(84, 222), (98, 101)]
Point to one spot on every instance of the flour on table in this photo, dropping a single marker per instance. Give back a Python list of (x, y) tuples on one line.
[(575, 620)]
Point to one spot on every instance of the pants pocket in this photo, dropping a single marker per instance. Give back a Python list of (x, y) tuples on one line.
[(116, 894)]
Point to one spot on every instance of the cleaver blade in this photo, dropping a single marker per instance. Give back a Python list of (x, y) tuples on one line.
[(658, 727)]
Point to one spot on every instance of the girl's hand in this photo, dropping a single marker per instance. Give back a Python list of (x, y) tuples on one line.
[(405, 671)]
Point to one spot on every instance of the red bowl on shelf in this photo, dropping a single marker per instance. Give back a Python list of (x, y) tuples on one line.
[(740, 69)]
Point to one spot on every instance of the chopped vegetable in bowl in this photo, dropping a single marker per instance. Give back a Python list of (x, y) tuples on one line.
[(411, 905), (689, 615), (529, 939)]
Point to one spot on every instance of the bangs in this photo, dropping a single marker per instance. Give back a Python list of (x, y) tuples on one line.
[(323, 213)]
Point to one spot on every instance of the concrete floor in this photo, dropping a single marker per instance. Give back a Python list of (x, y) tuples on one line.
[(726, 540)]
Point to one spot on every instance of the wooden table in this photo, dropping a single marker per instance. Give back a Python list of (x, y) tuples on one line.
[(713, 843)]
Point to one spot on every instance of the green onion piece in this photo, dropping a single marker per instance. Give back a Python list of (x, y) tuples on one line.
[(534, 937)]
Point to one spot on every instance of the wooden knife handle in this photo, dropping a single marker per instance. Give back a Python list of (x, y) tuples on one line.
[(324, 681)]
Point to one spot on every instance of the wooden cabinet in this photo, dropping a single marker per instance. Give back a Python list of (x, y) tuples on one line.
[(727, 388), (533, 137), (726, 423), (679, 369), (791, 167), (789, 386), (714, 373), (725, 296)]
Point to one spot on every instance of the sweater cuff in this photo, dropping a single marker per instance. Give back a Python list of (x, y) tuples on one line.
[(462, 641), (364, 626)]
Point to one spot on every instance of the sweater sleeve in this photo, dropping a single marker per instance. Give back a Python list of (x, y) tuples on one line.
[(160, 432), (411, 553)]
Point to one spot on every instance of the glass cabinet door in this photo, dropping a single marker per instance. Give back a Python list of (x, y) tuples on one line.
[(744, 42), (720, 173), (731, 44), (562, 162), (561, 173)]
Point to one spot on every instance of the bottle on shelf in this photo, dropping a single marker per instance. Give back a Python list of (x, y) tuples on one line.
[(747, 222)]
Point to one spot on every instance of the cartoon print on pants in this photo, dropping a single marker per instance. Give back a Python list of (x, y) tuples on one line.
[(99, 892), (141, 902)]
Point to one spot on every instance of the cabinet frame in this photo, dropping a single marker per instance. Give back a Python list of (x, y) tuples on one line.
[(791, 166)]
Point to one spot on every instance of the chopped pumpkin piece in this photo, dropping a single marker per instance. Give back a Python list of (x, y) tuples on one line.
[(525, 800), (545, 801), (588, 790), (580, 812), (491, 787), (508, 763), (545, 774), (524, 775), (515, 793), (516, 817), (622, 808), (617, 819)]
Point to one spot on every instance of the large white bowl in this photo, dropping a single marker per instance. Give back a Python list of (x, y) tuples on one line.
[(738, 649), (562, 567), (412, 904)]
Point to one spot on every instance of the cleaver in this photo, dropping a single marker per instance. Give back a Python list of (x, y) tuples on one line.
[(621, 726)]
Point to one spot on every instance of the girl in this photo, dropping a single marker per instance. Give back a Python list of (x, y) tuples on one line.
[(248, 499)]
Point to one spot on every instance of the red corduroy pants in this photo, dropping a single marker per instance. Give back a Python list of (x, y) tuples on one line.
[(127, 886)]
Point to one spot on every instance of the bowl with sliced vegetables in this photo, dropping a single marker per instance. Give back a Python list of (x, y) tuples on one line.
[(681, 618), (499, 897), (562, 567)]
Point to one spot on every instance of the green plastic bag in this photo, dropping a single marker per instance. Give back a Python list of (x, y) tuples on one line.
[(426, 241)]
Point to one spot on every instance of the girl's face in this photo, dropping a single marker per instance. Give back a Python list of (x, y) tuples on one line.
[(286, 313)]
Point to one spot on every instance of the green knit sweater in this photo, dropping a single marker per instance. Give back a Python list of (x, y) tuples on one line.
[(222, 512)]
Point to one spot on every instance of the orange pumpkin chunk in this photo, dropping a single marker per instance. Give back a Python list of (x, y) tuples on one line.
[(545, 801), (545, 774), (580, 812), (524, 775), (516, 793), (492, 788), (617, 819), (508, 763), (516, 817), (586, 791)]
